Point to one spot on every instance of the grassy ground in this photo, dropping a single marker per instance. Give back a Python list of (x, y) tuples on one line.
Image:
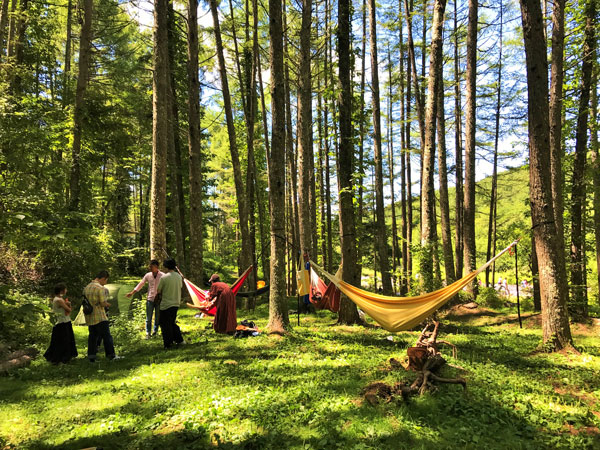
[(304, 391)]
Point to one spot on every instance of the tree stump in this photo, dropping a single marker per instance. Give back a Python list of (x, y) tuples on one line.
[(426, 360)]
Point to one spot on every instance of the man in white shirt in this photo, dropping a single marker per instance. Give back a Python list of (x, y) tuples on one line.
[(170, 288), (152, 278)]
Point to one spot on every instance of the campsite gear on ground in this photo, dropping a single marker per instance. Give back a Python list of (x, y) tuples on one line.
[(246, 328), (403, 313)]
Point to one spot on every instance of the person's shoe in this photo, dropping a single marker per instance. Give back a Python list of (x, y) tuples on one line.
[(92, 360), (147, 336), (154, 334), (116, 358)]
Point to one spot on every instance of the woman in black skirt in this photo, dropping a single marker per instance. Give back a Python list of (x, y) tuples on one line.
[(62, 344)]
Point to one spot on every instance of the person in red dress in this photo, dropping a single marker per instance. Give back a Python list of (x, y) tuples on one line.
[(221, 295)]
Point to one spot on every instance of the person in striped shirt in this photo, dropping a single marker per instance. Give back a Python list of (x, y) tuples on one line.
[(152, 278)]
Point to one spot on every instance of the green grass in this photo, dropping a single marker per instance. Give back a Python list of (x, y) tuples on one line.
[(304, 391)]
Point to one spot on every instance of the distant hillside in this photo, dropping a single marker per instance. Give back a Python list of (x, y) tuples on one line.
[(513, 218)]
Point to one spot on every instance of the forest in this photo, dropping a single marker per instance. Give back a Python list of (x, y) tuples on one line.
[(434, 151)]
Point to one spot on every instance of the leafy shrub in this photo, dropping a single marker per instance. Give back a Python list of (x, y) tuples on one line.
[(526, 303), (489, 297), (23, 318)]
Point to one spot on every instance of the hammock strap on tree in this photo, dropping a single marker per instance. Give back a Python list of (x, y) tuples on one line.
[(403, 313)]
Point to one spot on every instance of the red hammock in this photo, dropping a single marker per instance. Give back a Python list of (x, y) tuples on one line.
[(323, 296), (200, 297)]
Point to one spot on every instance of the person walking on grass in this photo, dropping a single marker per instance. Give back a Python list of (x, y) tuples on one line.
[(169, 287), (221, 295), (97, 321), (152, 278), (62, 343)]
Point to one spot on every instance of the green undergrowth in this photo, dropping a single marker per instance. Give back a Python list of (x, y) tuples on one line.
[(304, 391)]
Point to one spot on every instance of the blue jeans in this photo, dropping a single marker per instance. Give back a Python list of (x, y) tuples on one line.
[(100, 331), (150, 308)]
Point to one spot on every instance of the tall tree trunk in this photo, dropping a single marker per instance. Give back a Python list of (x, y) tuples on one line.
[(403, 153), (196, 253), (12, 30), (381, 239), (360, 228), (409, 208), (428, 219), (160, 123), (320, 171), (491, 243), (579, 301), (85, 48), (304, 130), (265, 259), (459, 203), (469, 202), (412, 66), (556, 95), (443, 175), (278, 311), (553, 280), (390, 140), (67, 69), (245, 257), (20, 45), (328, 63), (595, 162), (174, 156), (3, 24), (291, 162), (348, 313)]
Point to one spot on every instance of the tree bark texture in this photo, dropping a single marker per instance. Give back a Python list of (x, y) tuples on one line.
[(491, 242), (3, 25), (68, 45), (595, 162), (553, 282), (382, 245), (245, 257), (304, 132), (348, 313), (196, 254), (556, 95), (578, 304), (428, 219), (471, 94), (160, 123), (85, 47), (278, 312), (443, 178), (174, 155), (459, 203)]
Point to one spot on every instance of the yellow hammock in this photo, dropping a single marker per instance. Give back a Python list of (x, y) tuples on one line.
[(403, 313)]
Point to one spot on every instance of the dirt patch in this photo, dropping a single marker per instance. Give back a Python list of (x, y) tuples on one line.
[(576, 431), (586, 398), (470, 310), (586, 329), (11, 360)]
